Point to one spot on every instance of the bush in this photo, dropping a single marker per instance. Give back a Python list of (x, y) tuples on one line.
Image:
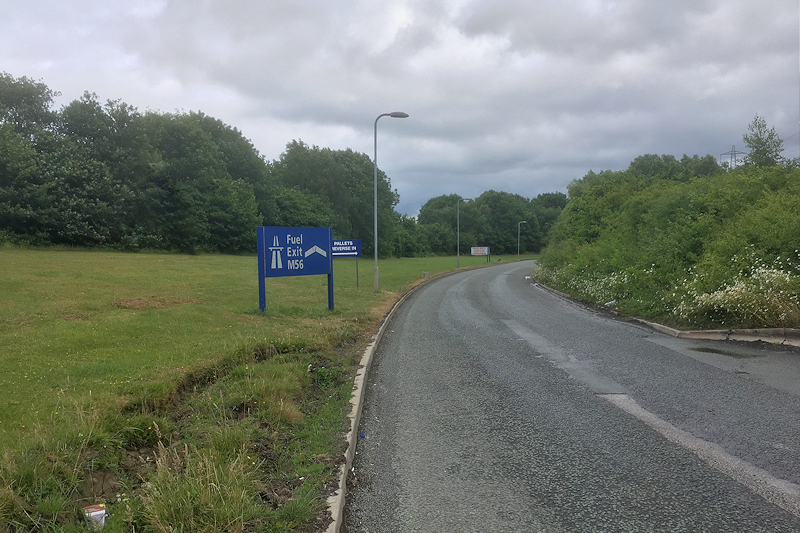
[(718, 250)]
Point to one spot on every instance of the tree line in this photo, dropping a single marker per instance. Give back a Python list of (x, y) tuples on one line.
[(95, 174)]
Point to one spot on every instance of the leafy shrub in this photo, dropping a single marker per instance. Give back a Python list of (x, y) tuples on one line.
[(717, 250)]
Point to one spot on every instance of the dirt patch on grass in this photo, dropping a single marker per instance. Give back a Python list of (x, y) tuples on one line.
[(152, 302), (101, 485), (381, 310)]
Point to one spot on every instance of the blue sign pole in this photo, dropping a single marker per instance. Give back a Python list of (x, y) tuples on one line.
[(330, 291), (262, 272), (330, 271)]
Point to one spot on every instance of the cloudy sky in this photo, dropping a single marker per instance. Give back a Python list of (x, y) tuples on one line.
[(520, 96)]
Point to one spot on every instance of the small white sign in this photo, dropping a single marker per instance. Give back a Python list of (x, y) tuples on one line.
[(480, 250)]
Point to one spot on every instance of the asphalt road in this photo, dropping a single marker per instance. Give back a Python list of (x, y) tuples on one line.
[(495, 405)]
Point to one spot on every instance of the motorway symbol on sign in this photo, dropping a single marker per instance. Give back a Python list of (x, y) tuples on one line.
[(277, 262)]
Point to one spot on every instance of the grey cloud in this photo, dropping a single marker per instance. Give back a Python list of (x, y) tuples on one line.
[(514, 95)]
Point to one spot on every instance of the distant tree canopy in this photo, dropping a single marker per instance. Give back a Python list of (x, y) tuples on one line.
[(107, 175), (96, 174), (25, 105), (493, 219)]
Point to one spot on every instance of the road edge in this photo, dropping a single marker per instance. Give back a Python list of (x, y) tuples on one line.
[(336, 502), (780, 336)]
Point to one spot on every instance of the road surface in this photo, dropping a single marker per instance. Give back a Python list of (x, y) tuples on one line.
[(495, 405)]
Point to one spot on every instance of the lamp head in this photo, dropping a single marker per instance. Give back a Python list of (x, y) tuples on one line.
[(398, 114)]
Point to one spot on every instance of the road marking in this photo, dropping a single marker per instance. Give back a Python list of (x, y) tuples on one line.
[(780, 492), (581, 371)]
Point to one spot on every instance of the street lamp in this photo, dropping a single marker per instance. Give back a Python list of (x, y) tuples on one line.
[(396, 114), (520, 223), (458, 231)]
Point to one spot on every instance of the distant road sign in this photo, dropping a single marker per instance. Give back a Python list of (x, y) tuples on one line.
[(346, 248), (480, 250)]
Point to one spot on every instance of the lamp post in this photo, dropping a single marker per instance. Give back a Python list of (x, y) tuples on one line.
[(519, 224), (458, 230), (395, 114)]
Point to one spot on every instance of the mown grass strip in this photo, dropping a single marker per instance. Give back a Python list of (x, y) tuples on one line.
[(131, 379)]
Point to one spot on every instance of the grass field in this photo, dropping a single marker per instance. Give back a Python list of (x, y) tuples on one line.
[(157, 367)]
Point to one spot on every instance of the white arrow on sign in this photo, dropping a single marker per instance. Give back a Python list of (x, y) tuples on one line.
[(316, 250)]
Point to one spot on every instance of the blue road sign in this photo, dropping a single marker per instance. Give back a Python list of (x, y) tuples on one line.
[(293, 252), (346, 248)]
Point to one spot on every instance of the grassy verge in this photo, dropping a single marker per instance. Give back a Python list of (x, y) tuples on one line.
[(151, 383)]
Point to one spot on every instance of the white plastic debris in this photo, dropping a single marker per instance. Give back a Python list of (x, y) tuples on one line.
[(96, 514)]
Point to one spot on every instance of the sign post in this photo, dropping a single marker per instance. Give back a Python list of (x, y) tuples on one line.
[(293, 252), (347, 248)]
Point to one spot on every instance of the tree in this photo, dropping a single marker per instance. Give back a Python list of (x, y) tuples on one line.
[(20, 187), (25, 104), (296, 208), (547, 207), (766, 148), (232, 216), (343, 180), (503, 212), (86, 122), (440, 210), (697, 166), (438, 238), (409, 241), (667, 167), (189, 188), (653, 166), (440, 218), (83, 201), (242, 162), (577, 187)]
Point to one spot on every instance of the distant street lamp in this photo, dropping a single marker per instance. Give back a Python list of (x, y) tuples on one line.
[(520, 223), (396, 114), (458, 231)]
